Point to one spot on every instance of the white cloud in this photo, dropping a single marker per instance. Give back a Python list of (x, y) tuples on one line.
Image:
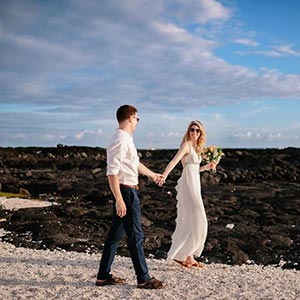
[(48, 137), (217, 117), (247, 135), (276, 51), (263, 137), (246, 42), (144, 58), (88, 134), (171, 134), (197, 11), (257, 111), (19, 136), (287, 50), (89, 58), (271, 53)]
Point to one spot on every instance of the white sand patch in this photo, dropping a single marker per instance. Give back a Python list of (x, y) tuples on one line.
[(17, 203), (42, 274)]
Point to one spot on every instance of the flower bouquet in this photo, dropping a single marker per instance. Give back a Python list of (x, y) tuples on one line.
[(213, 154)]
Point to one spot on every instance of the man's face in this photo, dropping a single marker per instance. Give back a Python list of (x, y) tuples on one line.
[(134, 119)]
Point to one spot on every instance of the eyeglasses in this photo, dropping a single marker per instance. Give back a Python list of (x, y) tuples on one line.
[(195, 129), (137, 118)]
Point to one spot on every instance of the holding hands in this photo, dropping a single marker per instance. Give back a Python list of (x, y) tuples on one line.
[(211, 156), (159, 179)]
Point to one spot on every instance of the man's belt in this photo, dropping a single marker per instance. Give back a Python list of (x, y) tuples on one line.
[(136, 187)]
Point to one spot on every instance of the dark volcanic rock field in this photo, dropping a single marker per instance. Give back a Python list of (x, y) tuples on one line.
[(252, 203)]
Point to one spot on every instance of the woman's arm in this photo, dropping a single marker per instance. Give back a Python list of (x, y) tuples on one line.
[(184, 149), (209, 166)]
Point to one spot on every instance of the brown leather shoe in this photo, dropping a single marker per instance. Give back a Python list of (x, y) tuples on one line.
[(113, 280), (152, 283)]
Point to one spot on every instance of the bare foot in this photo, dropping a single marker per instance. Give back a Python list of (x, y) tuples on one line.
[(191, 261), (183, 263)]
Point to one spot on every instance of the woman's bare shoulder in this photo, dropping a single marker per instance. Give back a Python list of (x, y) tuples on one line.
[(186, 146)]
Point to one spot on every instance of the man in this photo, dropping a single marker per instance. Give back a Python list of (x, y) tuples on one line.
[(123, 167)]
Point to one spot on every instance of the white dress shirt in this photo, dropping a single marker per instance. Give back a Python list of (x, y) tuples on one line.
[(122, 158)]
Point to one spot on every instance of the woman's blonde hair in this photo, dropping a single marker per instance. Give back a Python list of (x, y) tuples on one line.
[(202, 138)]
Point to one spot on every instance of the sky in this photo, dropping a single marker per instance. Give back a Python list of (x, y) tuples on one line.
[(67, 65)]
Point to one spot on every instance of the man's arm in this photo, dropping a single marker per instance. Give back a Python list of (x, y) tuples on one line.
[(114, 185), (156, 177)]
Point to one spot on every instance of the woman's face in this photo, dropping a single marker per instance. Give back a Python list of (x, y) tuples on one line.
[(194, 132)]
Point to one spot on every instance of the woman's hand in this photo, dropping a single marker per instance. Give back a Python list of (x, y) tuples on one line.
[(209, 166), (212, 166), (162, 180), (159, 179)]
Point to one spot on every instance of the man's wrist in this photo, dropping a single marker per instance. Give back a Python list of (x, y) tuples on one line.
[(119, 200)]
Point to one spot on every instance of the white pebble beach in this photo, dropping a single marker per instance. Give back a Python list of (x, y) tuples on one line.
[(45, 274), (16, 203)]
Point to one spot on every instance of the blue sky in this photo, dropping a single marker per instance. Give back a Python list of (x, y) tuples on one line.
[(66, 66)]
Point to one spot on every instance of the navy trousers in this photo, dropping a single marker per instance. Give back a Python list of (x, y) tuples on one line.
[(132, 226)]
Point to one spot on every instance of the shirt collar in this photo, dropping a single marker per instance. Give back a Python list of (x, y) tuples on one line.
[(125, 133)]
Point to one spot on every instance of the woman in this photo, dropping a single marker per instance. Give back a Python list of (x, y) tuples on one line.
[(191, 224)]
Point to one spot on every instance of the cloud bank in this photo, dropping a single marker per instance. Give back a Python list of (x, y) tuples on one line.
[(72, 63)]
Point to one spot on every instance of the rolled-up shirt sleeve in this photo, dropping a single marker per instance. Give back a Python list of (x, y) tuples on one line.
[(116, 153)]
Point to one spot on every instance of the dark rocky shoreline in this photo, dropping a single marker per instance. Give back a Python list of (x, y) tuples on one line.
[(252, 203)]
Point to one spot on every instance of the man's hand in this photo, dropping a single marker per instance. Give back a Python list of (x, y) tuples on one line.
[(159, 179), (121, 208)]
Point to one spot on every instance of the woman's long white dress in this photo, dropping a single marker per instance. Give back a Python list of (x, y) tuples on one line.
[(191, 223)]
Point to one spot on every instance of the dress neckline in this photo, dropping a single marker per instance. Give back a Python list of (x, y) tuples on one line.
[(193, 149), (198, 156)]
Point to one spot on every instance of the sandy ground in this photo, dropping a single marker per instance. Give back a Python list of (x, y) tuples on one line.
[(17, 203), (44, 274)]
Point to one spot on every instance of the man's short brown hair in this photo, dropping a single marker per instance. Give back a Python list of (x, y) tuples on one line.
[(124, 112)]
